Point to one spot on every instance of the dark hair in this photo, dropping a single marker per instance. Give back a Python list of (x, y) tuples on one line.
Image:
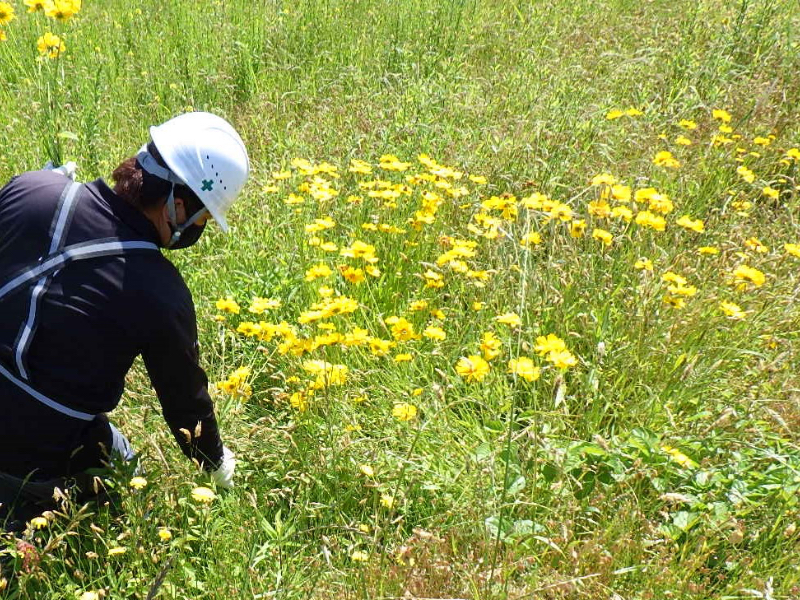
[(144, 191)]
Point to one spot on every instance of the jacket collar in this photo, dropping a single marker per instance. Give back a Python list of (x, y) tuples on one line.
[(127, 213)]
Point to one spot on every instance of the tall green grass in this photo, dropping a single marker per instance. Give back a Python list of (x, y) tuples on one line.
[(560, 488)]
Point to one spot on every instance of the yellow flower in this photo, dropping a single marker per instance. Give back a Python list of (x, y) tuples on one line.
[(228, 305), (50, 45), (721, 115), (6, 13), (3, 38), (674, 278), (647, 219), (260, 305), (792, 249), (622, 212), (682, 140), (404, 411), (89, 596), (599, 208), (614, 114), (604, 179), (524, 368), (643, 264), (511, 319), (754, 244), (793, 153), (732, 310), (203, 495), (317, 271), (674, 301), (351, 274), (39, 522), (387, 500), (744, 274), (562, 360), (550, 343), (476, 306), (694, 224), (746, 174), (359, 556), (402, 329), (434, 333), (62, 10), (367, 470), (472, 368), (687, 124), (577, 228), (117, 550), (403, 358), (36, 5), (165, 534), (633, 112), (603, 236), (491, 347), (762, 141), (531, 239), (770, 192), (679, 457), (665, 159), (138, 483)]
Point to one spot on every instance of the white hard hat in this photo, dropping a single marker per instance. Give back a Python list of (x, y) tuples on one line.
[(208, 156)]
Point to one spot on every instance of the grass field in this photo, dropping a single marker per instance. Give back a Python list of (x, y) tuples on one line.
[(508, 308)]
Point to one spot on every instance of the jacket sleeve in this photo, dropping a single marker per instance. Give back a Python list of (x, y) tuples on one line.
[(171, 358)]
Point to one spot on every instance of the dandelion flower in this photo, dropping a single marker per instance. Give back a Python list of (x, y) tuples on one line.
[(367, 470), (643, 264), (117, 550), (39, 522), (37, 5), (770, 192), (387, 500), (165, 534), (404, 411), (472, 368), (614, 114), (562, 360), (687, 124), (708, 250), (792, 249), (203, 495)]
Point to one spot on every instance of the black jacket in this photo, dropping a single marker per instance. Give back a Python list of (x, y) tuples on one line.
[(94, 319)]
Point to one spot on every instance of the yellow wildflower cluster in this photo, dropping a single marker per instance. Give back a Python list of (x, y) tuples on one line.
[(236, 384)]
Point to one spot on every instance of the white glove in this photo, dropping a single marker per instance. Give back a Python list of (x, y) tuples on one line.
[(67, 169), (223, 476)]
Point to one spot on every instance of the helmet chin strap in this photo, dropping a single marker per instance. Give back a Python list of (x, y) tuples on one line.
[(149, 164)]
